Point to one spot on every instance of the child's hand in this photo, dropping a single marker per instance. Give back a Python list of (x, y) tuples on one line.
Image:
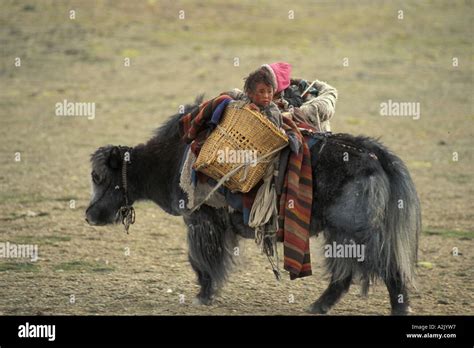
[(253, 107)]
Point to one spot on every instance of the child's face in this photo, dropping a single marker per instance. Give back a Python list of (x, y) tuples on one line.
[(262, 95)]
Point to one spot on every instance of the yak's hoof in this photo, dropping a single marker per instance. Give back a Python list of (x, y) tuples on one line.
[(318, 308), (202, 301), (402, 311)]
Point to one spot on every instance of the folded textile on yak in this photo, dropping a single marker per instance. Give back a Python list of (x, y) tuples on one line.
[(195, 190), (197, 125)]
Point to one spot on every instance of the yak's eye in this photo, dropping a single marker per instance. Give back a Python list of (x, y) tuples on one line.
[(96, 178)]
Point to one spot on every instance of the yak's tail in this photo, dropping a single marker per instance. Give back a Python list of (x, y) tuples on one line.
[(401, 223)]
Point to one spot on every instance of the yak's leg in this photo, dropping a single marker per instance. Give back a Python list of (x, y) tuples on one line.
[(211, 245), (331, 295), (398, 295), (206, 293)]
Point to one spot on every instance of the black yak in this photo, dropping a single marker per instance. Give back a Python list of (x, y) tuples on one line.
[(369, 199)]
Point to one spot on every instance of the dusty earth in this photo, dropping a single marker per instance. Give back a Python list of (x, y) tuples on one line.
[(424, 57)]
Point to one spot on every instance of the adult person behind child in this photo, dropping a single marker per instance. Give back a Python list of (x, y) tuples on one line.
[(316, 106)]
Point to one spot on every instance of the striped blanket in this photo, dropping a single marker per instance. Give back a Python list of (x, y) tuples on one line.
[(295, 208), (196, 126)]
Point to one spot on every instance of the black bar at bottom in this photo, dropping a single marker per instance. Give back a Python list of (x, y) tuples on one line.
[(417, 330)]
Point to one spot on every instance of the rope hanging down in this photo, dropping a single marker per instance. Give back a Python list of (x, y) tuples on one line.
[(126, 212)]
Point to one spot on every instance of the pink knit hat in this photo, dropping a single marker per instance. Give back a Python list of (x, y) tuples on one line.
[(281, 73)]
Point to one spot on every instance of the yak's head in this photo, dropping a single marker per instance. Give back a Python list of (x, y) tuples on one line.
[(107, 187)]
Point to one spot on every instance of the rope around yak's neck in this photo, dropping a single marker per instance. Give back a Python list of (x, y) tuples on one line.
[(126, 212)]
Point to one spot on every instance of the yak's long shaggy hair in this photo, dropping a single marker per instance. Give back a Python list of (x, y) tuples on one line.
[(362, 193)]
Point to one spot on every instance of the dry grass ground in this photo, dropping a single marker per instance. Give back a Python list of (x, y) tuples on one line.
[(172, 60)]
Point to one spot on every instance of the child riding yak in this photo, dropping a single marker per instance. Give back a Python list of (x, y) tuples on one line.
[(313, 103)]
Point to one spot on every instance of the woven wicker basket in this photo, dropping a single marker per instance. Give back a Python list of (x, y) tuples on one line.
[(250, 135)]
